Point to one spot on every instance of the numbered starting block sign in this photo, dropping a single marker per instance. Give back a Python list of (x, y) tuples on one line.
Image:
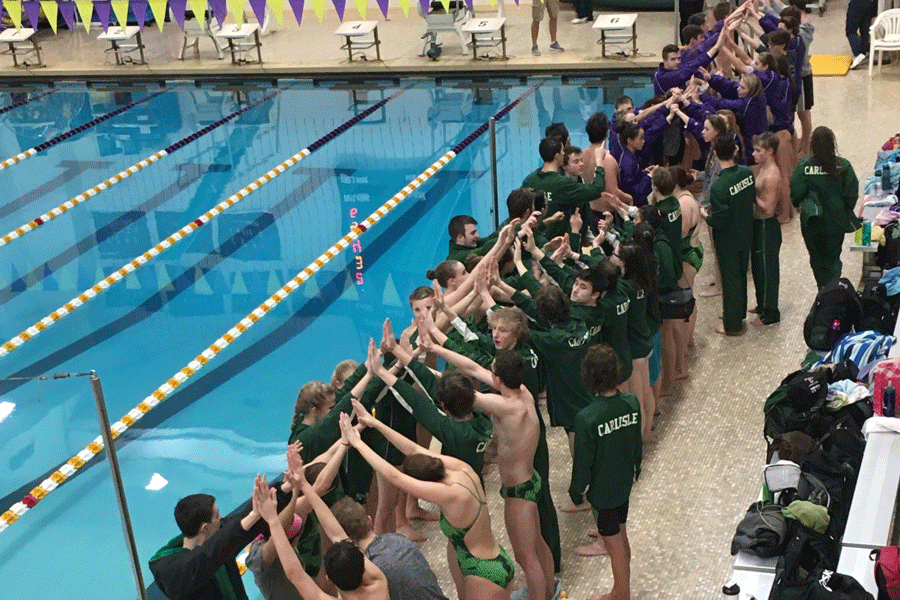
[(615, 30)]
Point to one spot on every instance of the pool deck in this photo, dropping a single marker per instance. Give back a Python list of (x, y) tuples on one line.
[(313, 50)]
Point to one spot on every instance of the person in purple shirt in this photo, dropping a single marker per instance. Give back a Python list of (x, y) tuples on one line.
[(632, 178), (744, 97)]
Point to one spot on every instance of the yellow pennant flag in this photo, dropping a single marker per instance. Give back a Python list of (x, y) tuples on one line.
[(236, 8), (446, 5), (198, 7), (361, 7), (278, 10), (404, 6), (158, 7), (50, 9), (120, 9), (319, 9), (86, 10), (14, 8)]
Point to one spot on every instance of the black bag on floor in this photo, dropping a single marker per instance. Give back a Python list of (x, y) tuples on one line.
[(839, 479), (835, 586), (807, 553), (877, 313), (763, 531), (835, 312), (796, 405)]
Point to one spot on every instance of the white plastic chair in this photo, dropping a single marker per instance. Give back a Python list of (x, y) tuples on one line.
[(884, 35), (195, 30), (437, 20)]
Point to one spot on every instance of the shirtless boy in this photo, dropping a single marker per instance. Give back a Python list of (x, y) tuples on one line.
[(766, 229), (516, 425)]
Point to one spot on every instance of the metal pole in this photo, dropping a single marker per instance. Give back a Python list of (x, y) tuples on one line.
[(677, 22), (492, 126), (110, 445)]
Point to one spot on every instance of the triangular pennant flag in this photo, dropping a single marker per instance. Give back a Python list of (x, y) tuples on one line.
[(33, 10), (120, 9), (361, 7), (239, 286), (103, 12), (198, 7), (297, 9), (68, 12), (201, 286), (277, 7), (446, 5), (471, 6), (319, 9), (390, 297), (51, 10), (139, 8), (339, 6), (219, 10), (274, 282), (177, 7), (86, 12), (350, 292), (236, 8), (162, 277), (425, 3), (159, 11), (259, 9), (383, 5), (131, 282), (404, 6), (14, 9), (311, 288)]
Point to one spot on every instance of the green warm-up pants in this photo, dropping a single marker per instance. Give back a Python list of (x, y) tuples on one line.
[(764, 266), (546, 509), (733, 267), (824, 247)]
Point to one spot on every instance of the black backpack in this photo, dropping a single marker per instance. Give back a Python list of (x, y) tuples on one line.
[(877, 312), (835, 586), (807, 553), (839, 479), (835, 313), (798, 404)]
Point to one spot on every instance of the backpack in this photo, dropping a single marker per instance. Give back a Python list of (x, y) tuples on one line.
[(796, 405), (834, 313), (806, 554), (887, 572), (763, 531), (877, 312), (835, 586), (839, 479)]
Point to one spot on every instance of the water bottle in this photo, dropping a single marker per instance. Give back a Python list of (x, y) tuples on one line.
[(866, 233), (888, 401), (886, 187), (876, 189)]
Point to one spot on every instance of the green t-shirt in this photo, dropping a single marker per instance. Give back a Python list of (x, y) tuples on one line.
[(608, 450)]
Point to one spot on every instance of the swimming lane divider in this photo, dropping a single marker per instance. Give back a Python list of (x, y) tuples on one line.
[(137, 262), (87, 194), (15, 105), (68, 468), (81, 128)]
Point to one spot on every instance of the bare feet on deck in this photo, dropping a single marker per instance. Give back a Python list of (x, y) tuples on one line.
[(567, 506), (720, 328), (595, 548)]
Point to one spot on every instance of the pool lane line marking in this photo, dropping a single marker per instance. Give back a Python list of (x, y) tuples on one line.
[(142, 259), (77, 461), (15, 105), (72, 132), (70, 170), (90, 193)]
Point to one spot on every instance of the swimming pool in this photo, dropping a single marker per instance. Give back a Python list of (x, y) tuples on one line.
[(231, 419)]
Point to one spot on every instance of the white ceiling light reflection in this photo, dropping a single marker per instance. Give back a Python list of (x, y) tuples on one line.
[(6, 409), (157, 482)]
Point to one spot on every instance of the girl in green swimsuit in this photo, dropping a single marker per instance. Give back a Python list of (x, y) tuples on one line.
[(691, 251), (483, 570)]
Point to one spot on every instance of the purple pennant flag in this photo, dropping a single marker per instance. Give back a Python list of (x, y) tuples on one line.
[(140, 12), (297, 7), (425, 4), (219, 9), (259, 9), (339, 6), (470, 6), (68, 12), (383, 5), (33, 10), (103, 10), (178, 7)]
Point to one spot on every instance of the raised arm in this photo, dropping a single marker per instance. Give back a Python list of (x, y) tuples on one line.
[(463, 363), (327, 520)]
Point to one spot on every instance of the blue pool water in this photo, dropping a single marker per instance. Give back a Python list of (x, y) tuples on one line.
[(231, 419)]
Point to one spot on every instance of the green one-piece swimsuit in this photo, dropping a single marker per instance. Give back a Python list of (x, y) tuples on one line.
[(499, 570)]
